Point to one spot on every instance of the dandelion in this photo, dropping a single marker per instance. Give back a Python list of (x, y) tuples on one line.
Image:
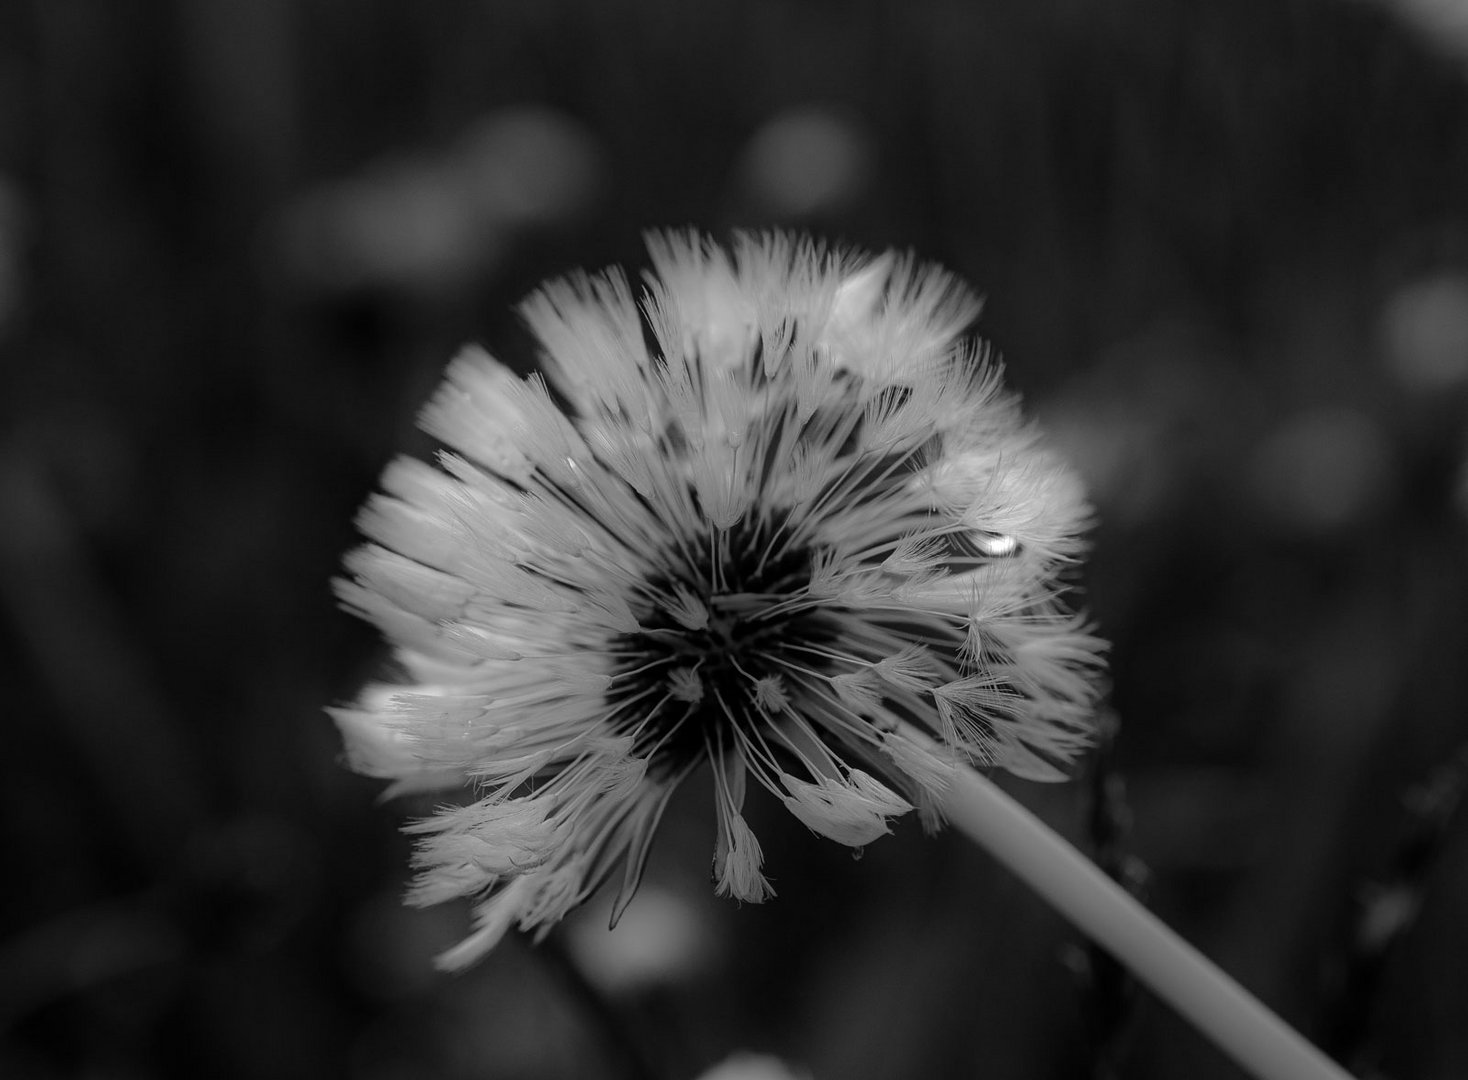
[(777, 517)]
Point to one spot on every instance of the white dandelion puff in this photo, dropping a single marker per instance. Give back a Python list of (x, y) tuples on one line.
[(787, 524), (851, 810)]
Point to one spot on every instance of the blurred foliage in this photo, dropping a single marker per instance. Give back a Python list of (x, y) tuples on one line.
[(1225, 247)]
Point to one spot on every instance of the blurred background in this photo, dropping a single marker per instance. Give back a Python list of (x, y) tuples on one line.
[(1225, 251)]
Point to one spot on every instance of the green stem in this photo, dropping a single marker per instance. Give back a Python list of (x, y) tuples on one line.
[(1221, 1009)]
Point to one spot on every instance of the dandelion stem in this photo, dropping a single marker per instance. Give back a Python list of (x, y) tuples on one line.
[(1219, 1007)]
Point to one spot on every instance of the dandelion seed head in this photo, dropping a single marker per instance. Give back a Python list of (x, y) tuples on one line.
[(787, 526)]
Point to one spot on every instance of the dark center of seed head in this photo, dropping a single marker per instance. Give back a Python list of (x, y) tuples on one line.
[(740, 582)]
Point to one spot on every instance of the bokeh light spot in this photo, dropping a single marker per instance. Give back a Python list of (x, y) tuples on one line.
[(661, 939), (805, 161), (1322, 469), (1424, 332)]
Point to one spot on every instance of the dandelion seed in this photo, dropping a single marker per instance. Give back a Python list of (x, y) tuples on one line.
[(794, 532)]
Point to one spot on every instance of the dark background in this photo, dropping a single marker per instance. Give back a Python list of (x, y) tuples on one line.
[(1225, 250)]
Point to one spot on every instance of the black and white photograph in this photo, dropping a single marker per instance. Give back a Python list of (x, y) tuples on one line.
[(780, 540)]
